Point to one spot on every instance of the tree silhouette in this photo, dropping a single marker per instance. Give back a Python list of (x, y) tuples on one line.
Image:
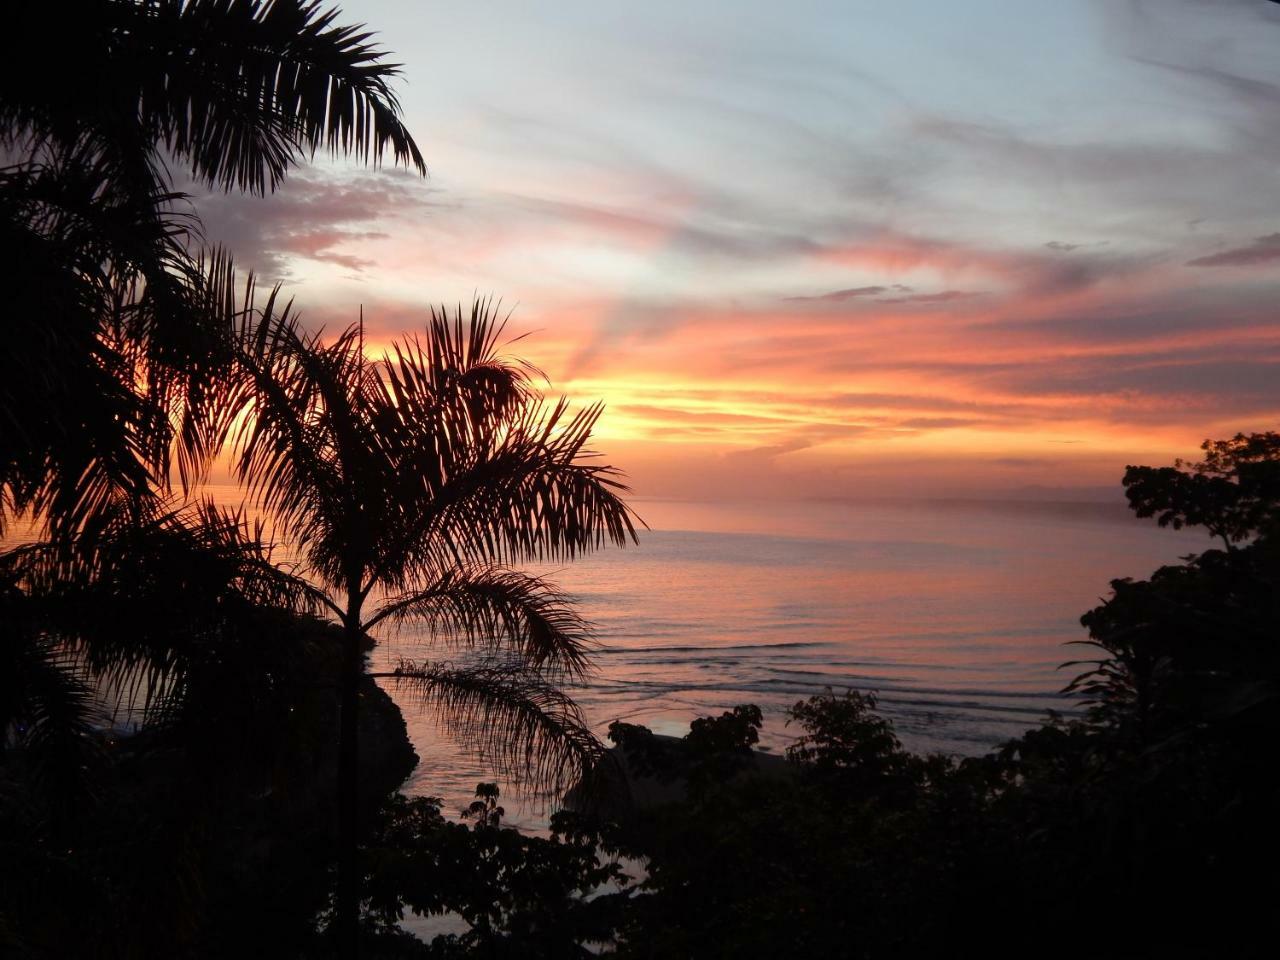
[(105, 301), (118, 335), (1194, 640), (409, 484), (1234, 492), (120, 620)]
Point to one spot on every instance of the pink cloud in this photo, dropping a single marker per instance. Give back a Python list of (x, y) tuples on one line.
[(1262, 250)]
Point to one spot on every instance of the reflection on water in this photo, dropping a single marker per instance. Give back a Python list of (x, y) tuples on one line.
[(956, 613)]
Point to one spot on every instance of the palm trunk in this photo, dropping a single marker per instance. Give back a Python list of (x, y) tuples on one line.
[(347, 906)]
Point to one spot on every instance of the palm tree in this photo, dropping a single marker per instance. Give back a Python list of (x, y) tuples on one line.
[(180, 623), (130, 609), (95, 104), (409, 486), (114, 326), (238, 90)]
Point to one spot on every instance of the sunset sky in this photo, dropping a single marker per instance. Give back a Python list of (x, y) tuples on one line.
[(836, 249)]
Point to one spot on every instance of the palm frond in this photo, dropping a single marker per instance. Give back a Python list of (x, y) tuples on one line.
[(241, 89), (454, 391), (500, 611), (137, 603), (47, 710), (81, 403), (526, 729), (42, 698), (536, 495), (484, 471), (203, 414), (437, 455), (302, 446)]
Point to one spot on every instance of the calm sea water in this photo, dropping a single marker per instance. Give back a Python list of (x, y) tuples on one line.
[(955, 613)]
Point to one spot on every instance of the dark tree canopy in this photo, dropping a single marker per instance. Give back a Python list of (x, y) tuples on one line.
[(236, 90), (114, 321), (1135, 828), (1234, 492)]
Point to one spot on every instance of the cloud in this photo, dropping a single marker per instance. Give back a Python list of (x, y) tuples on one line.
[(906, 401), (684, 221), (1061, 247), (1147, 386), (839, 296), (874, 295), (945, 296), (941, 423), (1260, 96), (319, 244), (1020, 462), (702, 417), (312, 216), (1100, 162), (1163, 315), (1262, 250), (1219, 162), (771, 451), (894, 254), (802, 440)]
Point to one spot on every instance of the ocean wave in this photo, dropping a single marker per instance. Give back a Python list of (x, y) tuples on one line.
[(999, 701), (622, 651)]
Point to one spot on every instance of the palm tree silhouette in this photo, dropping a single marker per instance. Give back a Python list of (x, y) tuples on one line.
[(409, 485), (105, 302), (122, 619), (114, 326)]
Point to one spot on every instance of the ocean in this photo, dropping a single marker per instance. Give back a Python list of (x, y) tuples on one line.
[(957, 614)]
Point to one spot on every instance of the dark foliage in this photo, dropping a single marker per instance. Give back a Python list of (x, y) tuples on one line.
[(1143, 823), (1145, 827), (407, 484), (110, 327), (208, 834), (1234, 493), (521, 896)]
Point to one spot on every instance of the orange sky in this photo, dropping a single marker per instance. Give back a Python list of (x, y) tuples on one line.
[(839, 252)]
